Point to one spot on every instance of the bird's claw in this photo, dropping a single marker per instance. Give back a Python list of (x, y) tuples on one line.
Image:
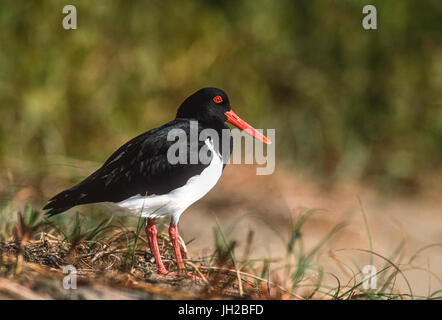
[(191, 276), (184, 273)]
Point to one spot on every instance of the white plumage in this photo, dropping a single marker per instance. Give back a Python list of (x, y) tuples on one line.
[(177, 201)]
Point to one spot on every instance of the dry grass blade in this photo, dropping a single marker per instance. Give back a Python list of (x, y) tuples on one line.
[(234, 271), (386, 259)]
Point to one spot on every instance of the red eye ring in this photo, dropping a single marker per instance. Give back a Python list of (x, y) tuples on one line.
[(217, 99)]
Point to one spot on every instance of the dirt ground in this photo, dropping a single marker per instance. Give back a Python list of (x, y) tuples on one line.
[(258, 212), (268, 204)]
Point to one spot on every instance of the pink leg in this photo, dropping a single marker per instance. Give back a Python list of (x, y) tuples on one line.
[(151, 231), (173, 234)]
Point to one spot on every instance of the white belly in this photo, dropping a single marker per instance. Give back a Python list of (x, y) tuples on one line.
[(177, 201)]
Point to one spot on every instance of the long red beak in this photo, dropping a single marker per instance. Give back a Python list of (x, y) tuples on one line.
[(241, 124)]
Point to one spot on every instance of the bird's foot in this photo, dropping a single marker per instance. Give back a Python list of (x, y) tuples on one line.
[(182, 273), (187, 274), (163, 271)]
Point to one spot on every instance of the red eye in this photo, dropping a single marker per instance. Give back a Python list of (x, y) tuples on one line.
[(217, 99)]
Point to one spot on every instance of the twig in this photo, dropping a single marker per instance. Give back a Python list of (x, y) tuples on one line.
[(198, 271)]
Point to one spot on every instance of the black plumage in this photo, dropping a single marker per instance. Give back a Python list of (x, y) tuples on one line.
[(141, 166), (152, 168)]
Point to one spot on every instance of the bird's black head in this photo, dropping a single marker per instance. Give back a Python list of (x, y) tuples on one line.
[(207, 104), (212, 106)]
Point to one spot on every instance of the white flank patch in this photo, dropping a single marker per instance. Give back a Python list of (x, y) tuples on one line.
[(177, 201)]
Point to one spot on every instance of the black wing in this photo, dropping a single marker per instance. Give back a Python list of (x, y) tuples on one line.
[(138, 167)]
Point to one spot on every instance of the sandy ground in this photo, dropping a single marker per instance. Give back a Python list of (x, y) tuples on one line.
[(268, 205)]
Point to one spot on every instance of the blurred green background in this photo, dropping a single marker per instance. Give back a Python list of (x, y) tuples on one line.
[(345, 102)]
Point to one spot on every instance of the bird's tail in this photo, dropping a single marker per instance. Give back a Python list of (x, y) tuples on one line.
[(64, 201)]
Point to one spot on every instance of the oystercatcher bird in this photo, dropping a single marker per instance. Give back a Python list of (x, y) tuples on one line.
[(140, 177)]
